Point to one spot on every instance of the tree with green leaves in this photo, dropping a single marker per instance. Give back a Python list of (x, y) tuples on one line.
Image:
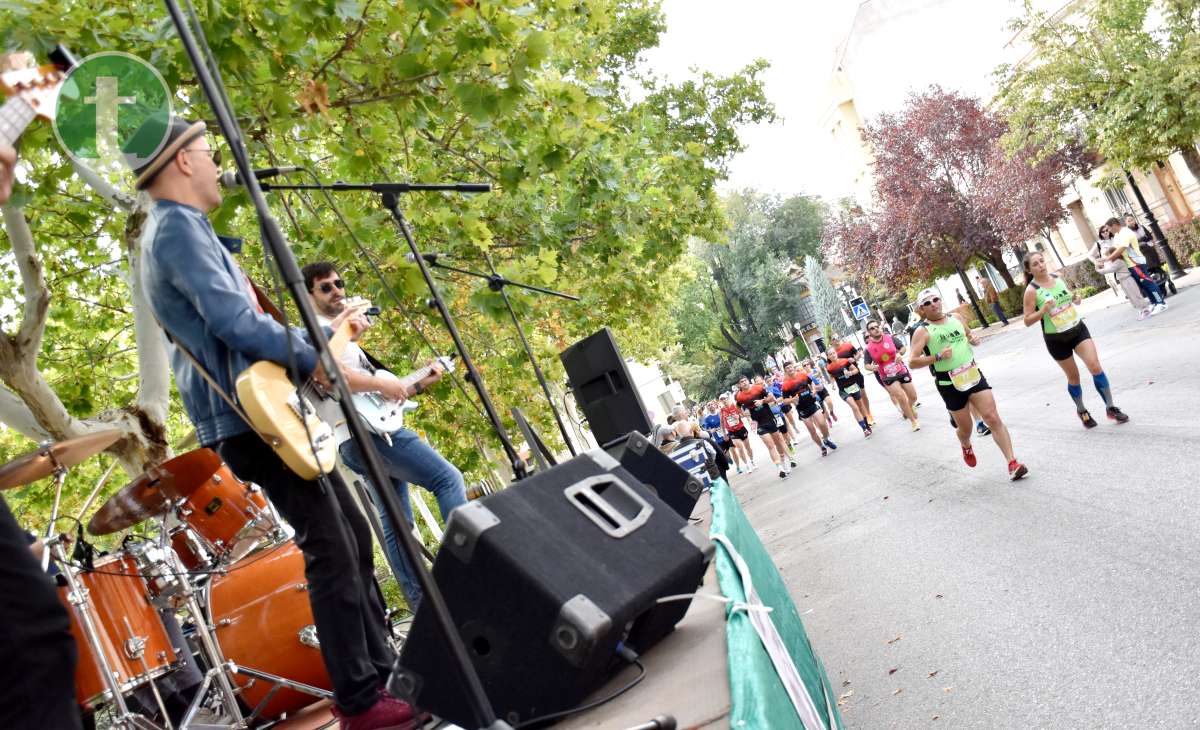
[(1121, 77), (596, 191), (743, 292)]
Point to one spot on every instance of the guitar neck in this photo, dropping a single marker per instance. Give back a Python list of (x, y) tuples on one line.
[(417, 376), (15, 116)]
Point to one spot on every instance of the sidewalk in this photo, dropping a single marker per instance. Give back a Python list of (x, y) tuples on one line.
[(1102, 300)]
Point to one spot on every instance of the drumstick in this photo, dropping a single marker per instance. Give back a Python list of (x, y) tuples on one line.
[(91, 497)]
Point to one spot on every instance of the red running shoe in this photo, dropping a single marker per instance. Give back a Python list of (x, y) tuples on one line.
[(969, 455), (1016, 470), (388, 713)]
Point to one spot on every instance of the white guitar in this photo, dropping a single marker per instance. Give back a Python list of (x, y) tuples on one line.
[(385, 416)]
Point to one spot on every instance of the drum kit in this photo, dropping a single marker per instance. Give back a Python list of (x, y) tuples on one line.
[(222, 559)]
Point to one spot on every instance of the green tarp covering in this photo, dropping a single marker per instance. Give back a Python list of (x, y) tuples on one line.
[(758, 696)]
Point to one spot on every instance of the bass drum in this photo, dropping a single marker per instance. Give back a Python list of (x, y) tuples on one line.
[(132, 635), (264, 621)]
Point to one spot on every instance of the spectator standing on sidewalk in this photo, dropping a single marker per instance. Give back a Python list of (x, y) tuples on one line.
[(1133, 293), (988, 291)]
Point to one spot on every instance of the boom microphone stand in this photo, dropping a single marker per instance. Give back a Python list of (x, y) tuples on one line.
[(208, 75), (497, 283), (389, 196)]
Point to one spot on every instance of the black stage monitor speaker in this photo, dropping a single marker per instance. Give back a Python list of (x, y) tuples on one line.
[(671, 482), (603, 388), (544, 580)]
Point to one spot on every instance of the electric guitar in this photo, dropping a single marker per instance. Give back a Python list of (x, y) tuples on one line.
[(31, 91), (385, 416), (286, 417)]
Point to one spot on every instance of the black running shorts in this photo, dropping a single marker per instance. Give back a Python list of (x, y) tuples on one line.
[(1062, 344), (741, 434), (956, 399), (810, 411)]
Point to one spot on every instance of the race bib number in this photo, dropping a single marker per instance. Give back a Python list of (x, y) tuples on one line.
[(892, 369), (1064, 317), (965, 377), (851, 389), (733, 422)]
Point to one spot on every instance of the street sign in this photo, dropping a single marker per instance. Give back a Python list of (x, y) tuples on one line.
[(861, 310)]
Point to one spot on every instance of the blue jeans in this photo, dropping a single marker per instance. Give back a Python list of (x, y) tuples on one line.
[(1148, 286), (409, 459), (999, 313)]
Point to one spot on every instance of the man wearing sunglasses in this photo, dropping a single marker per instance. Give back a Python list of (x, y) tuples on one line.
[(946, 346), (208, 307), (406, 458)]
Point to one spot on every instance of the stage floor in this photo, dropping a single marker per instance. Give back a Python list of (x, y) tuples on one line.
[(687, 675)]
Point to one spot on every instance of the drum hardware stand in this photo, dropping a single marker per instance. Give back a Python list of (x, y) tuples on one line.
[(279, 683), (191, 35), (135, 647), (218, 667), (80, 602)]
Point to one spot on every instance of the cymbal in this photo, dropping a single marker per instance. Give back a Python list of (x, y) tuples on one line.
[(153, 492), (40, 463)]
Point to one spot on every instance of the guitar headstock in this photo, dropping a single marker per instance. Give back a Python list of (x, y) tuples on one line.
[(37, 86)]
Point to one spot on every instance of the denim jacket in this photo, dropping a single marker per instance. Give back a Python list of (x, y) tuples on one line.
[(199, 295)]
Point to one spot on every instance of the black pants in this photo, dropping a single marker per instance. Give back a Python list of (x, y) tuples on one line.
[(37, 673), (335, 538)]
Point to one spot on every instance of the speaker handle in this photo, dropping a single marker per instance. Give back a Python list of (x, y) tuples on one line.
[(587, 496)]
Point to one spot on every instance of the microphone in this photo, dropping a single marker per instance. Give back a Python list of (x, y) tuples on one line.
[(429, 257), (233, 178)]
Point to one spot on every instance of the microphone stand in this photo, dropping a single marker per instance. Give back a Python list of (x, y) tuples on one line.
[(200, 56), (389, 196), (497, 283)]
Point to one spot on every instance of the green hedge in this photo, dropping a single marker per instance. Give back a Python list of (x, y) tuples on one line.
[(1012, 300), (1184, 238)]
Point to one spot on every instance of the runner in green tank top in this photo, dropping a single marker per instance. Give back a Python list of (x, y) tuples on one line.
[(946, 346), (1050, 302)]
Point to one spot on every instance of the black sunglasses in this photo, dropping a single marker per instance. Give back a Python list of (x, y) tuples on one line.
[(329, 285)]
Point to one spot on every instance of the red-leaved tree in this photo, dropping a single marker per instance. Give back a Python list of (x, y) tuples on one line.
[(945, 193)]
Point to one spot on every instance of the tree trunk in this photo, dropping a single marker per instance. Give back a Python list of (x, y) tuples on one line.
[(996, 259), (962, 275), (1191, 158)]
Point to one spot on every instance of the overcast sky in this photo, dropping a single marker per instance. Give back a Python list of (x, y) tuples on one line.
[(953, 42)]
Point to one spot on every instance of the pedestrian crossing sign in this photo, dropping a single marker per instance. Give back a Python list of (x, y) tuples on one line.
[(861, 311)]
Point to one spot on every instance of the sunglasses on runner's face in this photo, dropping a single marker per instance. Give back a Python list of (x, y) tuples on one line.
[(927, 302), (329, 285)]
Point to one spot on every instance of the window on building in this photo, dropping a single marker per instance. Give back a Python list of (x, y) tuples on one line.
[(1118, 202)]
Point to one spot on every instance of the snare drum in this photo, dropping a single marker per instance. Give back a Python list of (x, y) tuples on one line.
[(132, 635), (264, 621), (228, 517)]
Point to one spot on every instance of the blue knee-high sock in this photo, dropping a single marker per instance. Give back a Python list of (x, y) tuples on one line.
[(1100, 380), (1076, 391)]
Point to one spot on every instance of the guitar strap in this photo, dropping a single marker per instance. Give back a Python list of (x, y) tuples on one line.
[(212, 382)]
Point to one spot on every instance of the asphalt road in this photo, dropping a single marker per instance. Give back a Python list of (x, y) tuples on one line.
[(943, 596)]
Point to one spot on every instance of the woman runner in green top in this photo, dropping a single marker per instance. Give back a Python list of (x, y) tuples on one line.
[(945, 346), (1050, 302)]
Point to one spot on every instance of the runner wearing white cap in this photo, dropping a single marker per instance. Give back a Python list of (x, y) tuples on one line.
[(944, 345)]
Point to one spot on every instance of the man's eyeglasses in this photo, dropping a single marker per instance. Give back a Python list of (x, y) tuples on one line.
[(214, 154), (927, 302), (329, 285)]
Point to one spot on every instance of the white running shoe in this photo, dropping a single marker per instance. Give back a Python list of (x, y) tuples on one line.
[(1158, 308)]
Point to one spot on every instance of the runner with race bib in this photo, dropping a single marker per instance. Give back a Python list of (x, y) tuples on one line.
[(735, 430), (945, 346), (884, 357), (1050, 302), (849, 383), (799, 390)]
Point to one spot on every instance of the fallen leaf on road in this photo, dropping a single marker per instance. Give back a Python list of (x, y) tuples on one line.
[(845, 683), (842, 699), (934, 717), (893, 670), (939, 595), (885, 496), (934, 673), (898, 638), (947, 689), (898, 691)]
